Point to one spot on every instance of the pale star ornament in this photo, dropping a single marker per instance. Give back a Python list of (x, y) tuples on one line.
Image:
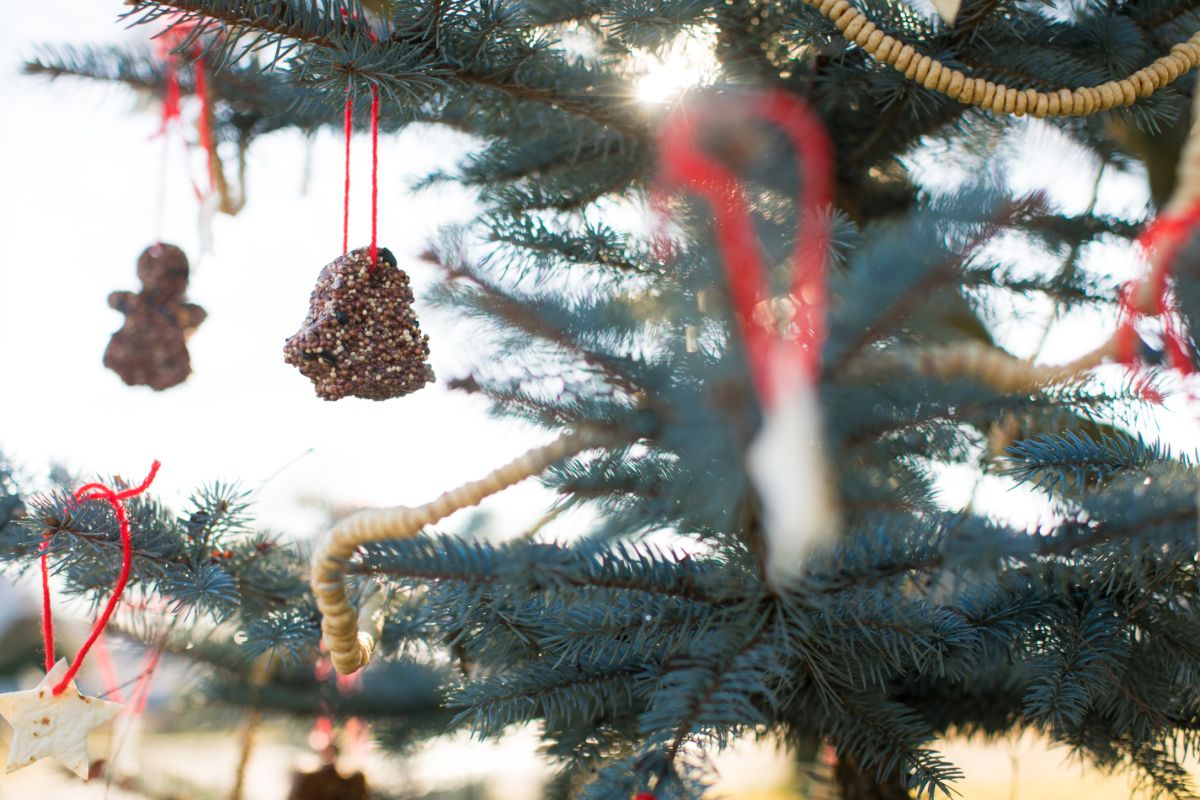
[(55, 726)]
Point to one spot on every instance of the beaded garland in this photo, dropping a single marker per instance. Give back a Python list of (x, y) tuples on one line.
[(856, 27)]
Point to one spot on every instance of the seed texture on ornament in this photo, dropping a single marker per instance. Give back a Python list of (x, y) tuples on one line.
[(53, 726), (150, 349), (361, 337)]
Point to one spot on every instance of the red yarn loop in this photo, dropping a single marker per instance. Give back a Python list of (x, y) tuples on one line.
[(1161, 241), (348, 131), (374, 171), (47, 621), (94, 491), (686, 165), (168, 43)]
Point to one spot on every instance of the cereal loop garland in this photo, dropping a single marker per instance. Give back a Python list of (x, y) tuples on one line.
[(349, 648), (998, 98)]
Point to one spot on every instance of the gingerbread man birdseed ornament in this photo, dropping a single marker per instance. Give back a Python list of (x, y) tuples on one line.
[(150, 349)]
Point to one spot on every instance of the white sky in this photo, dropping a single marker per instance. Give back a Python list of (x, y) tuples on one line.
[(80, 181), (79, 188), (80, 177)]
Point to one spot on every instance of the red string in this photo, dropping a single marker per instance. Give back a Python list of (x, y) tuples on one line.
[(348, 126), (171, 95), (204, 125), (141, 687), (141, 692), (1160, 241), (47, 620), (374, 170), (108, 671), (96, 491), (349, 130), (168, 41), (686, 165)]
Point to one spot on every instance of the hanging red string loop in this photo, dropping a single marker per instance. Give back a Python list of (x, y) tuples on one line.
[(1161, 242), (169, 42), (94, 491), (686, 165), (172, 94), (348, 131), (47, 621), (374, 172)]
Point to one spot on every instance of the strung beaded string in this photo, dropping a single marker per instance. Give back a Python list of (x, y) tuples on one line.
[(1145, 298), (957, 85), (349, 648)]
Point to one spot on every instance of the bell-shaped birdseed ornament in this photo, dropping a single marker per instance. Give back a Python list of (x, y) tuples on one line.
[(361, 337)]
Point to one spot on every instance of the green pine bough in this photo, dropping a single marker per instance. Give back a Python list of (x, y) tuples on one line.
[(633, 654)]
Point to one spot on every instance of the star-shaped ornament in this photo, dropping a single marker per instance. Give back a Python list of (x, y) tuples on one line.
[(45, 724)]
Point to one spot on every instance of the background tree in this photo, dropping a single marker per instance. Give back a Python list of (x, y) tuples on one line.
[(634, 657)]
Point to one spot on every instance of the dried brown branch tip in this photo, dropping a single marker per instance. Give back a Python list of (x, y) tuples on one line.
[(361, 337)]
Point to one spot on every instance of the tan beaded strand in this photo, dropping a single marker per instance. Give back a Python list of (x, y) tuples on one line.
[(349, 648), (934, 75), (992, 366), (982, 363)]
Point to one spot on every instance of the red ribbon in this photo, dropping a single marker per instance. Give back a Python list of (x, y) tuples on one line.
[(1161, 242), (686, 165), (172, 112), (93, 491)]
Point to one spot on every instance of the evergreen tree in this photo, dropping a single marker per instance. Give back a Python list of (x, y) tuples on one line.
[(636, 655)]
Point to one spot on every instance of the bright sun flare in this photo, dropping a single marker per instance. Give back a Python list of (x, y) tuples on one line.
[(688, 61)]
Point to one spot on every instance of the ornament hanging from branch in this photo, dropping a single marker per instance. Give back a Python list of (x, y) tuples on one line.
[(53, 725), (361, 337), (784, 460), (326, 783), (53, 719), (150, 349)]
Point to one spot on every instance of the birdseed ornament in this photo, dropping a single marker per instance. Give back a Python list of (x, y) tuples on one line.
[(326, 783), (784, 460), (150, 349), (49, 725), (361, 337), (53, 719)]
